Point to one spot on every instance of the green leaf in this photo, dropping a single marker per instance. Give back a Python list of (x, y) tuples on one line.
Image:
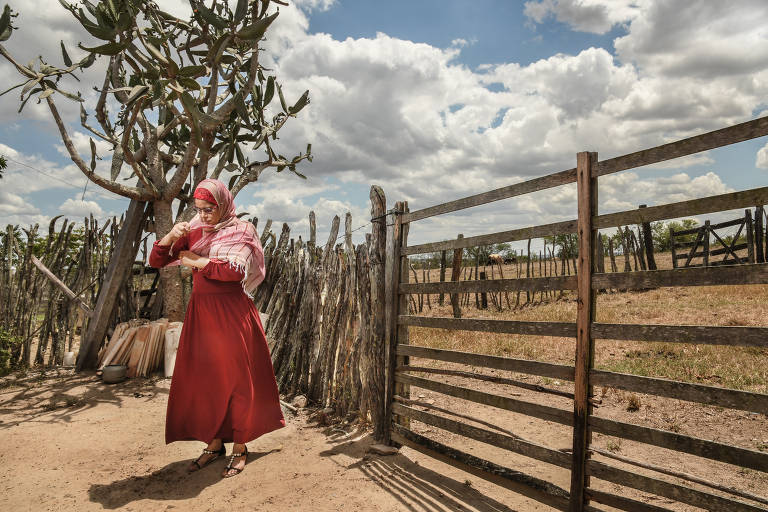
[(124, 21), (208, 15), (241, 10), (94, 29), (137, 92), (156, 53), (45, 94), (106, 49), (29, 85), (93, 154), (83, 114), (297, 173), (242, 109), (240, 157), (88, 61), (300, 104), (5, 24), (192, 71), (255, 31), (269, 92), (282, 98), (232, 181), (67, 60), (189, 83)]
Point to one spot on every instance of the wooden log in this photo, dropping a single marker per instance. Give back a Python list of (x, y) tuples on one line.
[(542, 412), (681, 493), (63, 287), (711, 395), (701, 334), (560, 329), (742, 457), (442, 275), (457, 253), (513, 444), (119, 267), (585, 316), (483, 295), (705, 276), (516, 481), (375, 377), (551, 370)]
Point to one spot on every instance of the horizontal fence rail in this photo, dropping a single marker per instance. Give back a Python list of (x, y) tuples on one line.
[(756, 273), (699, 334), (551, 370), (564, 329), (710, 395), (530, 284)]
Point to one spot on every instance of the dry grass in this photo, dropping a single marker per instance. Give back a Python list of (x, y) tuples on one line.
[(732, 367)]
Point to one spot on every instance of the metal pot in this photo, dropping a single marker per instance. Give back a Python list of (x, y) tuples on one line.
[(114, 373)]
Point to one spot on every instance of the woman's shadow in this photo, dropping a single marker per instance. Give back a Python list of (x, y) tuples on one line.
[(169, 483)]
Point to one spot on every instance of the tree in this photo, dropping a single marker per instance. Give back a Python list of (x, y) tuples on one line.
[(3, 165), (189, 94), (660, 232)]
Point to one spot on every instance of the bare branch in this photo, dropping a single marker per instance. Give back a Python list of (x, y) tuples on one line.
[(125, 191)]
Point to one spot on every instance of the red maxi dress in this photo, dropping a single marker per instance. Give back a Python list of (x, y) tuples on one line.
[(223, 382)]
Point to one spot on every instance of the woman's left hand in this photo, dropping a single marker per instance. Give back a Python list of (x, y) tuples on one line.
[(190, 259)]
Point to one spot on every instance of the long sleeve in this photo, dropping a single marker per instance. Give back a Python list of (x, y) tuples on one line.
[(221, 271), (160, 255)]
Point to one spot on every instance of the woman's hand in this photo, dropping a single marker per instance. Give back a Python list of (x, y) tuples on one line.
[(179, 230), (190, 259)]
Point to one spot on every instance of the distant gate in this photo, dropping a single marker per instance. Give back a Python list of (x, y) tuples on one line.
[(700, 247)]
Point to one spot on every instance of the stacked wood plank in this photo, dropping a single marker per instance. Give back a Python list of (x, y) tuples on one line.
[(139, 345)]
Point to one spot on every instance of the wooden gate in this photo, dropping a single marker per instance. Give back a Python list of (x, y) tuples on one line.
[(700, 246), (402, 409)]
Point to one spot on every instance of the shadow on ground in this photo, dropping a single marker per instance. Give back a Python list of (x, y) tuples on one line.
[(169, 483), (56, 396), (416, 488)]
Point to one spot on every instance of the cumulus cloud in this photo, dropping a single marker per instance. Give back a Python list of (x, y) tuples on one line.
[(596, 16), (761, 161), (75, 207)]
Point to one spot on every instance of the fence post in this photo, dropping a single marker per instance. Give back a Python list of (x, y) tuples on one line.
[(395, 273), (585, 313), (705, 249), (759, 234), (376, 377), (442, 275), (455, 275), (749, 233), (648, 239)]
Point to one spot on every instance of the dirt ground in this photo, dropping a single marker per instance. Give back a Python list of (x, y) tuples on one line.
[(70, 442)]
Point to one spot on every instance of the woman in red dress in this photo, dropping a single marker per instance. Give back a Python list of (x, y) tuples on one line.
[(223, 388)]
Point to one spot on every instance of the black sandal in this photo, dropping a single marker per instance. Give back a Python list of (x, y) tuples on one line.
[(232, 458), (221, 451)]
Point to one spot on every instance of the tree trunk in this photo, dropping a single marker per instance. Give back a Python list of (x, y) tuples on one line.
[(170, 278)]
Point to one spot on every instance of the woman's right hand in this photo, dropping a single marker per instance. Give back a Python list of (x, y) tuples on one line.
[(179, 230)]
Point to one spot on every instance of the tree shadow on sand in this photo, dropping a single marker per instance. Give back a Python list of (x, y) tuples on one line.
[(415, 487), (56, 396), (169, 483)]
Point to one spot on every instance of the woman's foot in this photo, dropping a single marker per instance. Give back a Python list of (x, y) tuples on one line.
[(236, 460), (211, 453)]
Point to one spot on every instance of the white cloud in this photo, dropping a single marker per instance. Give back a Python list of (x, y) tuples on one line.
[(596, 16), (761, 162), (78, 208)]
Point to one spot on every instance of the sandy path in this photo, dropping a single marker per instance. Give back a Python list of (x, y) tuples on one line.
[(69, 442)]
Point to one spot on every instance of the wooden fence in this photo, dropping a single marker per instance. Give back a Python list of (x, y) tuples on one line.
[(700, 247), (35, 310), (587, 281)]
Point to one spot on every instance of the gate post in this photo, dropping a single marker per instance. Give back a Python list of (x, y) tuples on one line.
[(585, 314), (395, 272)]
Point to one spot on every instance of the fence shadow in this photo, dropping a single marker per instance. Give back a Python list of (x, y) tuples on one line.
[(415, 487)]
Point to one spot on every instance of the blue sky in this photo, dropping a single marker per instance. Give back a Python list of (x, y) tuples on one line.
[(435, 100)]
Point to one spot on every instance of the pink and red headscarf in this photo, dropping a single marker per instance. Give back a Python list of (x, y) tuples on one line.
[(232, 240)]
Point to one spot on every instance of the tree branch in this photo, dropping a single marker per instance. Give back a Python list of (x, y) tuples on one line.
[(122, 190)]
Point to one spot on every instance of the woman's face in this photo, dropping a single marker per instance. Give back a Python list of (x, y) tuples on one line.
[(209, 212)]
